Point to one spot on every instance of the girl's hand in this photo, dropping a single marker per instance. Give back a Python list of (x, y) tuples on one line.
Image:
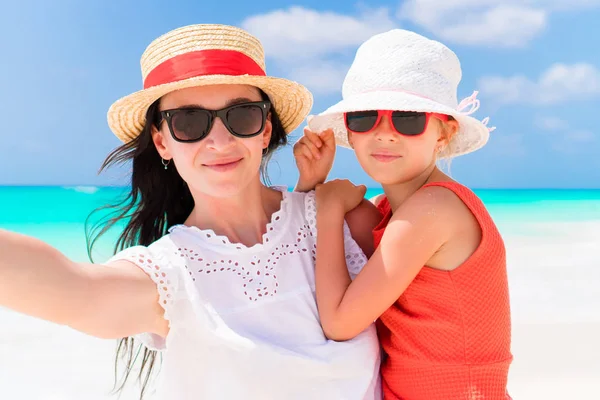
[(339, 194), (314, 154)]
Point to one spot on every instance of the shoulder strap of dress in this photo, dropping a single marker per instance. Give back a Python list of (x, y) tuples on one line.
[(383, 205)]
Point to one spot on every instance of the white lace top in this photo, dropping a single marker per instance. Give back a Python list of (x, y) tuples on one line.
[(243, 320)]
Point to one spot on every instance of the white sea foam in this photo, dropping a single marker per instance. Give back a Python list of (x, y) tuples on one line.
[(83, 189)]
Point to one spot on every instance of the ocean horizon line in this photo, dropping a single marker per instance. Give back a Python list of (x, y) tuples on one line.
[(71, 186)]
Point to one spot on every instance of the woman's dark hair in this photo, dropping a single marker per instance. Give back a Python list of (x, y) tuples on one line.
[(157, 200)]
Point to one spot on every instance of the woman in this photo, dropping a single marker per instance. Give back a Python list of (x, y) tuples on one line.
[(217, 269)]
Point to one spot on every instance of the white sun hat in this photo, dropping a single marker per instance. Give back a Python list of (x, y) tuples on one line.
[(402, 70)]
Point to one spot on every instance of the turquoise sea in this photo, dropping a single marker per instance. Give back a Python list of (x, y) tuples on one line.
[(551, 238), (57, 214)]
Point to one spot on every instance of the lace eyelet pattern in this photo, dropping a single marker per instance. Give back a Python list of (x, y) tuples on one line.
[(258, 277)]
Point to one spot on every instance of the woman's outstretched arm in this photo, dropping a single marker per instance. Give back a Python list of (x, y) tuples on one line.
[(105, 301)]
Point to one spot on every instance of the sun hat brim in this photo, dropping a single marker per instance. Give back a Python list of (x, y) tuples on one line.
[(292, 101), (472, 135)]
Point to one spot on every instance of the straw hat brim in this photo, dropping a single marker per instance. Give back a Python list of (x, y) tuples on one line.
[(291, 101), (472, 134)]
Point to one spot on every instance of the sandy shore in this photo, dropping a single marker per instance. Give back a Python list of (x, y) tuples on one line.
[(40, 361), (555, 294), (556, 361)]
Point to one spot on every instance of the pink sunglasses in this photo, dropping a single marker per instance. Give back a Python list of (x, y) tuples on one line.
[(408, 123)]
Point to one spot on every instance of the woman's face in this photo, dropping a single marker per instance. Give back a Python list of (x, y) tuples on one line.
[(221, 164)]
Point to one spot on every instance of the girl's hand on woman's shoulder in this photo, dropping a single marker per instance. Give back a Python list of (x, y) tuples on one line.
[(339, 196)]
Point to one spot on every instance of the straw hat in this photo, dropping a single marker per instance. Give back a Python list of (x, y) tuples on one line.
[(401, 70), (199, 55)]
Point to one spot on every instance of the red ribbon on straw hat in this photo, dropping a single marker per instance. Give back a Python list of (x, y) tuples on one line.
[(202, 63)]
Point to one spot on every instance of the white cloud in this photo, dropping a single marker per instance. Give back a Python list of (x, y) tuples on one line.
[(560, 83), (550, 123), (508, 145), (503, 26), (301, 32), (304, 43), (581, 136), (565, 5), (307, 45), (481, 23), (573, 142), (506, 23), (32, 147), (563, 138), (322, 77)]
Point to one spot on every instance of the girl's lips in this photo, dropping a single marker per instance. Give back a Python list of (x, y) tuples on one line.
[(385, 157)]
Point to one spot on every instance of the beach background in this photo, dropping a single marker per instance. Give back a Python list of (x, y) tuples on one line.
[(535, 64), (552, 239)]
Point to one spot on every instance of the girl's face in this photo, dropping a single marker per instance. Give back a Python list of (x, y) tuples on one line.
[(220, 164), (391, 158)]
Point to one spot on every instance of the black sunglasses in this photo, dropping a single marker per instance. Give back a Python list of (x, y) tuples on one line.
[(192, 124)]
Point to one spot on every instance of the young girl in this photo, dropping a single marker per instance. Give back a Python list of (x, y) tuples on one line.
[(437, 281), (217, 270)]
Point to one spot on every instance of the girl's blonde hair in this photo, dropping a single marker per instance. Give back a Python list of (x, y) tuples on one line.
[(448, 134)]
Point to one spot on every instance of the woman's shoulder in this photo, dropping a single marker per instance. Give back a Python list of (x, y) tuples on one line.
[(294, 202), (302, 203), (146, 256), (377, 199), (299, 197)]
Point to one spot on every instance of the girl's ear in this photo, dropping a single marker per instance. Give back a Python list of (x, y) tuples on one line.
[(448, 130)]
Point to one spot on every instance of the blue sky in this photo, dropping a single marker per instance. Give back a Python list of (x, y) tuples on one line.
[(536, 64)]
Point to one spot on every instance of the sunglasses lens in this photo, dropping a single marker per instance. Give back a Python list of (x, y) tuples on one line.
[(361, 121), (246, 119), (409, 123), (190, 125)]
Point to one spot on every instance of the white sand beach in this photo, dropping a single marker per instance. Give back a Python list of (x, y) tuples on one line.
[(555, 288)]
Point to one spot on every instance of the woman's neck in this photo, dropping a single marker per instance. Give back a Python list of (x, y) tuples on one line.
[(242, 218)]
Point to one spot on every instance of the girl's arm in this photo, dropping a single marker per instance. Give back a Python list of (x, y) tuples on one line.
[(104, 301), (361, 221), (314, 154), (418, 229)]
